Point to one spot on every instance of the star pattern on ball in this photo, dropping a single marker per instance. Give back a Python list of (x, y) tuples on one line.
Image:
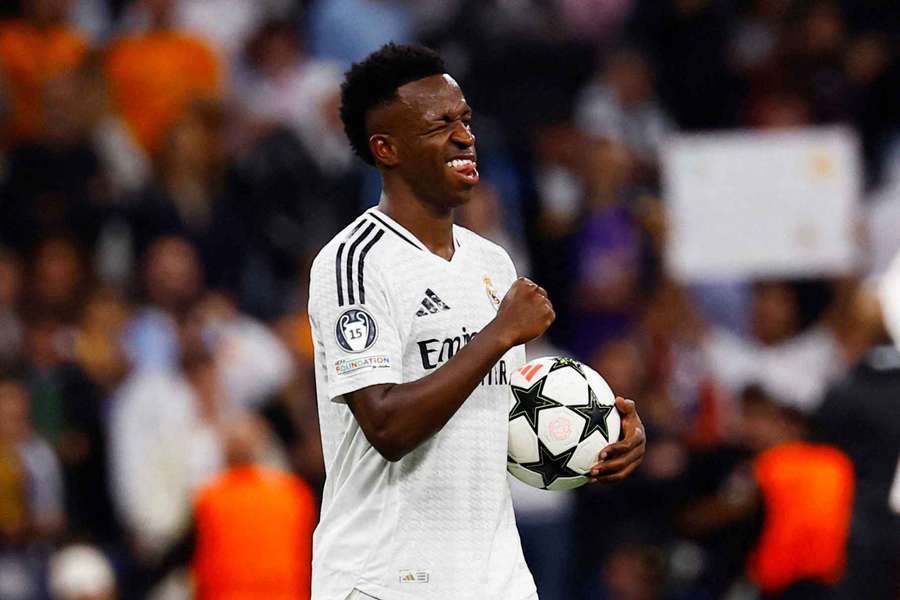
[(564, 362), (596, 414), (530, 401), (551, 467)]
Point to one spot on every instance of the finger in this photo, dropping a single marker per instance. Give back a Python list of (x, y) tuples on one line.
[(633, 439), (541, 291), (615, 477), (625, 406), (631, 422), (620, 449), (621, 463)]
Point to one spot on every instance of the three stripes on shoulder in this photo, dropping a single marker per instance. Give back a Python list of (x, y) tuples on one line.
[(350, 264)]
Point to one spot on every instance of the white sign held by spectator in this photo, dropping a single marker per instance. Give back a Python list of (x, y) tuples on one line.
[(762, 204)]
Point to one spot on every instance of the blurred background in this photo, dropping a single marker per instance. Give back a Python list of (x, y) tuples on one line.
[(708, 189)]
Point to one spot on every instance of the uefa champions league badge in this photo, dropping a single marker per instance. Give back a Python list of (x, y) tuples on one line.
[(491, 292), (355, 330)]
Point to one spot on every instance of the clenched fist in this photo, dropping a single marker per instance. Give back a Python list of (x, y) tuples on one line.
[(525, 312)]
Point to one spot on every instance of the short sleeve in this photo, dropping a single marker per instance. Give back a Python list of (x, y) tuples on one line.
[(507, 267), (356, 335)]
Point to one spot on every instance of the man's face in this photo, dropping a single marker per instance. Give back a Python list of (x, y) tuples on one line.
[(430, 126)]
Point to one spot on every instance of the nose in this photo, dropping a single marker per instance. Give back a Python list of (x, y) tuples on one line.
[(463, 136)]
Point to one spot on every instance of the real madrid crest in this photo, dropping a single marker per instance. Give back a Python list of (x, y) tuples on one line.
[(491, 292)]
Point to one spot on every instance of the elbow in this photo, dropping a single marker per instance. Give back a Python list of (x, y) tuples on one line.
[(388, 446), (384, 425), (389, 443), (391, 455)]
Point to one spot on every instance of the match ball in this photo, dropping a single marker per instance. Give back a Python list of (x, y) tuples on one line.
[(562, 414)]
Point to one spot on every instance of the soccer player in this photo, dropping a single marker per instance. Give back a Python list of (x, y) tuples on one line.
[(418, 324)]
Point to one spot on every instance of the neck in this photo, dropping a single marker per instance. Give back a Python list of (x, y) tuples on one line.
[(432, 225)]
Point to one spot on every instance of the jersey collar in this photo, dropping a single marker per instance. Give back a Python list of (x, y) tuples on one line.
[(409, 237)]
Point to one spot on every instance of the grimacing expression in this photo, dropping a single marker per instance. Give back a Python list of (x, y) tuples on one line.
[(426, 137)]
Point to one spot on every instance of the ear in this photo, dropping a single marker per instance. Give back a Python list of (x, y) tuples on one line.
[(383, 148)]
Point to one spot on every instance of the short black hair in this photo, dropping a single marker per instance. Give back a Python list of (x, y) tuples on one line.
[(375, 80)]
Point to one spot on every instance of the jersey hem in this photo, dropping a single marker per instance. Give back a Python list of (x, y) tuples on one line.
[(386, 593)]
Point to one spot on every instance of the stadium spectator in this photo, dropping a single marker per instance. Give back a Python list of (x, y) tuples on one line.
[(704, 412), (57, 183), (251, 360), (33, 49), (799, 492), (185, 198), (31, 488), (125, 165), (172, 282), (232, 553), (289, 87), (21, 560), (758, 38), (97, 345), (59, 279), (559, 191), (608, 250), (793, 364), (238, 556), (44, 503), (165, 424), (154, 75), (620, 105), (558, 178), (66, 409), (816, 60), (252, 363), (298, 168)]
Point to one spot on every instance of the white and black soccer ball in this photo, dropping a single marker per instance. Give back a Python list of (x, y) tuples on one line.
[(562, 414)]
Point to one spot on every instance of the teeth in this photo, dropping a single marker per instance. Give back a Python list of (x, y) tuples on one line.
[(459, 162)]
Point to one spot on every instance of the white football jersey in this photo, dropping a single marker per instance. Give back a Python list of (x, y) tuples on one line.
[(437, 524)]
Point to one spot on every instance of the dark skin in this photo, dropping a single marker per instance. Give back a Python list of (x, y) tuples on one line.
[(413, 140)]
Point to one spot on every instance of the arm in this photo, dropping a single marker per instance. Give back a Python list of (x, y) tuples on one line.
[(396, 418)]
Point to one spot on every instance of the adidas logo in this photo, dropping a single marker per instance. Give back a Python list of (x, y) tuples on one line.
[(407, 576), (431, 304)]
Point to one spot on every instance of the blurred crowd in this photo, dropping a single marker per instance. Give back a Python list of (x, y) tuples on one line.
[(168, 169)]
